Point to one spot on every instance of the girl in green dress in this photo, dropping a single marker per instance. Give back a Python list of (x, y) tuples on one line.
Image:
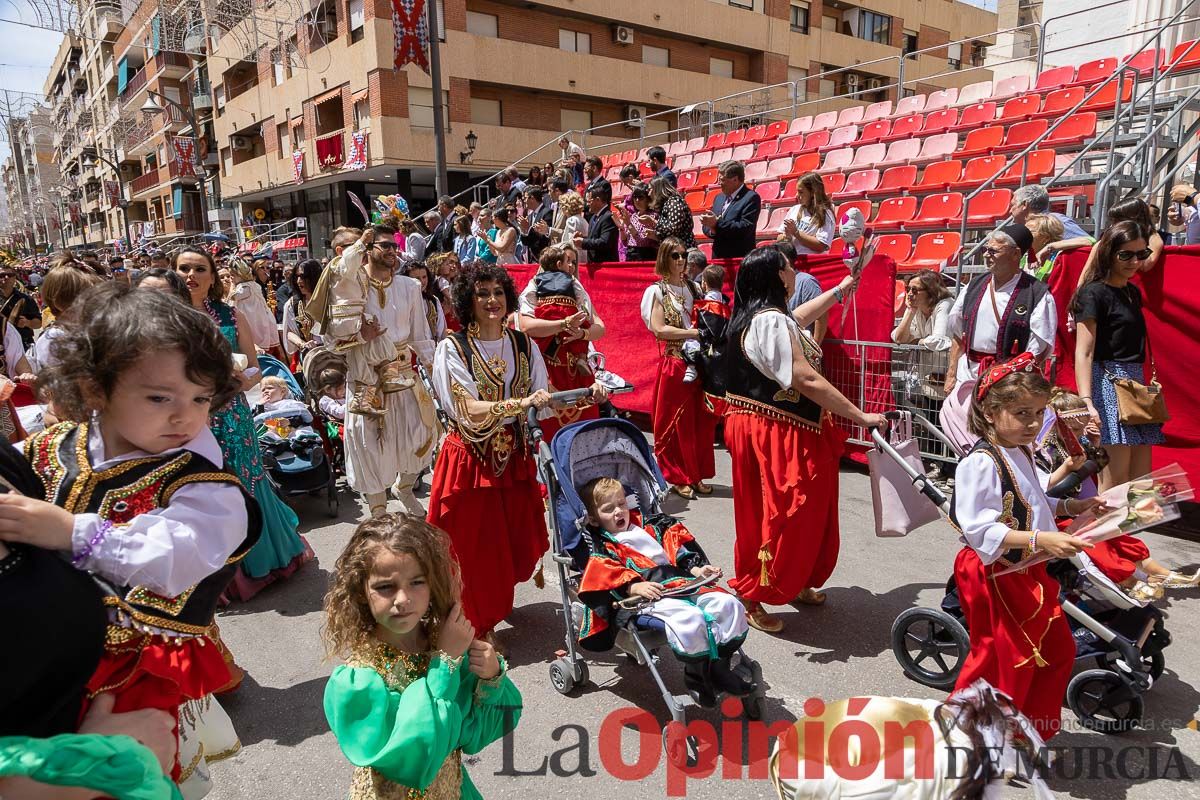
[(418, 690)]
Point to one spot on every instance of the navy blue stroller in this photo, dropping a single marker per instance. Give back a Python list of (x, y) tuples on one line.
[(614, 448)]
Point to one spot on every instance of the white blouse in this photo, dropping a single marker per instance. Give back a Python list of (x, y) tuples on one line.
[(450, 369), (806, 224), (768, 345), (653, 295), (1042, 322), (978, 500), (167, 550), (572, 227), (929, 331)]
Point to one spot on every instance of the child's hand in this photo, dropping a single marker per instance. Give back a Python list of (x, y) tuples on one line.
[(707, 571), (35, 522), (1060, 545), (1075, 462), (1096, 505), (647, 589), (151, 727), (456, 634), (484, 661)]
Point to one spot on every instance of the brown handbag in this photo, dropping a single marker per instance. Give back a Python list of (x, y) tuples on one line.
[(1139, 403)]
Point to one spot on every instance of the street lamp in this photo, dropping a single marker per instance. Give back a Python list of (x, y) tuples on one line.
[(90, 156), (465, 156), (151, 107)]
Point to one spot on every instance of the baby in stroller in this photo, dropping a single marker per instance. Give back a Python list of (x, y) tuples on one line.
[(287, 420), (661, 563)]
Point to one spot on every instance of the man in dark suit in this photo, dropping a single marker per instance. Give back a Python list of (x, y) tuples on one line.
[(508, 192), (734, 216), (658, 162), (442, 240), (601, 241), (537, 210), (593, 173)]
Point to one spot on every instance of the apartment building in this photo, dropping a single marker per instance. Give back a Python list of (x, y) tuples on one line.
[(516, 74), (31, 182)]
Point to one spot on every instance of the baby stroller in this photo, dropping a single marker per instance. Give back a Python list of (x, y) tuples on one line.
[(610, 447), (1119, 639), (296, 462), (330, 430)]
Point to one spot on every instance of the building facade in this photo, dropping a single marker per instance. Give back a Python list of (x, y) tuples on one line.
[(31, 182)]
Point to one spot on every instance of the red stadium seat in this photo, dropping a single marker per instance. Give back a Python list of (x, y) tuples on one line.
[(756, 171), (695, 201), (788, 194), (706, 178), (706, 248), (973, 93), (906, 127), (682, 163), (721, 154), (815, 141), (936, 148), (837, 160), (938, 211), (743, 152), (1023, 134), (790, 145), (710, 197), (1074, 131), (698, 229), (896, 246), (876, 111), (765, 150), (933, 251), (862, 205), (702, 159), (805, 162), (977, 171), (1186, 56), (939, 121), (644, 171), (850, 116), (768, 191), (764, 226), (1020, 108), (1010, 87), (778, 167), (755, 134), (858, 184), (1054, 78), (875, 131), (840, 137), (824, 122), (736, 137), (938, 176), (695, 144), (981, 142), (943, 98), (901, 152), (868, 155), (800, 125), (988, 207), (975, 115), (1106, 98), (1061, 101), (836, 247), (834, 181), (901, 295), (686, 180), (907, 106), (777, 128), (677, 148), (895, 181), (893, 213), (1039, 164), (1143, 62), (1094, 71)]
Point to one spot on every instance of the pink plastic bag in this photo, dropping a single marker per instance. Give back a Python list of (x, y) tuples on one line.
[(899, 508)]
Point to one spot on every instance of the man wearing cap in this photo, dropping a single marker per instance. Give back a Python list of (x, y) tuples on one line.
[(999, 315)]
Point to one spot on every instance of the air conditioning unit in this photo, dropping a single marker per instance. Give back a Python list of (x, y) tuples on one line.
[(239, 143), (126, 169), (875, 83), (853, 83), (635, 116), (623, 34)]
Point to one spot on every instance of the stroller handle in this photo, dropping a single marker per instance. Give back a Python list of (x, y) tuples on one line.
[(634, 603), (565, 397)]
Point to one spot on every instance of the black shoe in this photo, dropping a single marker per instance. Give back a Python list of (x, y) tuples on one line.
[(725, 679), (696, 679)]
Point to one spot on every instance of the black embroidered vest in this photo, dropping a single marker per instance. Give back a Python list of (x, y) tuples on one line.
[(1013, 336), (59, 457), (489, 381), (748, 391), (1016, 514)]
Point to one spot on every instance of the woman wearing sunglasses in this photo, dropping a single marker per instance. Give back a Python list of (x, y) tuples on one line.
[(1111, 343), (683, 427)]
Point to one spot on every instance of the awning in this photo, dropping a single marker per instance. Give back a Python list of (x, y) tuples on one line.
[(293, 243), (330, 95)]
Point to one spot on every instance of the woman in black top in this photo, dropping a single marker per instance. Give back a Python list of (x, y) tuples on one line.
[(1111, 344), (674, 216)]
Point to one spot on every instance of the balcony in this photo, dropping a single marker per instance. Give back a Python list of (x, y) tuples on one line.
[(145, 182), (172, 65), (135, 85), (139, 136)]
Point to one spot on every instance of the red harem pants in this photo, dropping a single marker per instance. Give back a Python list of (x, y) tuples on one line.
[(785, 505), (1013, 620), (1119, 557), (496, 524), (684, 428)]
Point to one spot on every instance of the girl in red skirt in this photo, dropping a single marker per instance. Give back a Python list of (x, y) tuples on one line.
[(683, 424), (485, 490), (783, 445), (556, 311), (1020, 640)]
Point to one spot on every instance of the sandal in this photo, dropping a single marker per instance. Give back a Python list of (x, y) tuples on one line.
[(683, 491), (702, 488), (1178, 580), (809, 597), (758, 618)]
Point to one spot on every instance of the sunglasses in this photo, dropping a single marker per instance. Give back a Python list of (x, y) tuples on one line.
[(915, 289), (386, 245), (678, 256), (1130, 255), (993, 251)]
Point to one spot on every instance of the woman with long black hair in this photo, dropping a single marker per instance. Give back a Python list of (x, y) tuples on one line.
[(783, 445), (297, 324)]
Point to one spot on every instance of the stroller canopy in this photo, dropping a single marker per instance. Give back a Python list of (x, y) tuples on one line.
[(601, 448), (273, 367)]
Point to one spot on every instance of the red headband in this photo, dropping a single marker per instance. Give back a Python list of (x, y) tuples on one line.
[(1026, 362)]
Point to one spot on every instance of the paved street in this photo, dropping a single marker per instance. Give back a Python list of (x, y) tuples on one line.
[(832, 652)]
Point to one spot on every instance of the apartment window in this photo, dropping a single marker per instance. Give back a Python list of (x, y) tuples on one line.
[(219, 96), (485, 111), (829, 23), (799, 17), (721, 67), (742, 4), (799, 76), (954, 55), (910, 43), (298, 135), (656, 56), (279, 71), (226, 161), (483, 24), (574, 41), (828, 87), (362, 114), (420, 107), (907, 92), (357, 21), (874, 27), (573, 120), (978, 55), (285, 138)]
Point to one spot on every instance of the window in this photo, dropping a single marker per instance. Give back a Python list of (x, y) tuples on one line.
[(574, 41), (483, 24), (219, 95), (573, 120), (357, 21), (656, 56), (285, 138), (485, 111), (721, 67), (799, 17), (910, 43), (420, 107), (226, 161), (829, 23), (742, 3), (954, 55), (979, 55), (279, 71), (907, 92), (799, 75), (828, 87), (298, 136), (362, 114), (874, 27)]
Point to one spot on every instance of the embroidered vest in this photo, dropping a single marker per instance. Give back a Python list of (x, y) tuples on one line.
[(497, 448), (748, 391), (1016, 514), (674, 313), (118, 494), (1012, 338)]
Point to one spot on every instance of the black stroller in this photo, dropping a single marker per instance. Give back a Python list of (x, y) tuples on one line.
[(1118, 638), (614, 448)]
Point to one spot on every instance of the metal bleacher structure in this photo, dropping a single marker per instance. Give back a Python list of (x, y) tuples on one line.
[(934, 173)]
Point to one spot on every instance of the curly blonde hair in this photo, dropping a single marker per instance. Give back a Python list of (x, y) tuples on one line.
[(571, 203), (349, 625)]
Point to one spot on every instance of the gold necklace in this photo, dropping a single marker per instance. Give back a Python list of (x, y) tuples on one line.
[(381, 287)]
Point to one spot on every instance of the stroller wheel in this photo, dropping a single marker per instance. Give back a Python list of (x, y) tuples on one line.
[(682, 751), (562, 676), (753, 706), (930, 645), (332, 502), (1104, 701)]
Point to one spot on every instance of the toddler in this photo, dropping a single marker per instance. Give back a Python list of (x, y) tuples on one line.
[(710, 316)]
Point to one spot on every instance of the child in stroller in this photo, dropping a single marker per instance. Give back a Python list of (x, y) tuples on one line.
[(288, 421), (661, 563)]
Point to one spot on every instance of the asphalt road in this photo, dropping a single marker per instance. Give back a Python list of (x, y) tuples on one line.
[(832, 652)]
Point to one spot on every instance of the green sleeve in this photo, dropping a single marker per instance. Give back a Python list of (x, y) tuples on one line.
[(404, 735), (115, 766), (495, 707)]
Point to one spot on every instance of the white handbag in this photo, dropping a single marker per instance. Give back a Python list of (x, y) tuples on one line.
[(899, 508)]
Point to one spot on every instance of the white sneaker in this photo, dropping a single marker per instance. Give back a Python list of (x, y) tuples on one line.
[(690, 374)]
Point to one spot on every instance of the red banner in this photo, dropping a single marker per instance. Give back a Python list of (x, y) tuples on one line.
[(113, 190), (298, 165), (412, 34), (357, 158), (185, 154)]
